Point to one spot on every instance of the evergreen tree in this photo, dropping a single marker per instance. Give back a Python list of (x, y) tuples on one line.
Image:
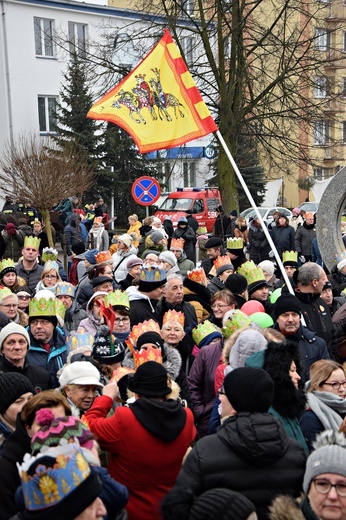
[(252, 172)]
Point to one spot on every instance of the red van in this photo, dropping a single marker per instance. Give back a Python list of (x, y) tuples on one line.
[(202, 201)]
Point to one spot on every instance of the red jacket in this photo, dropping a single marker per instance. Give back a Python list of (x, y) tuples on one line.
[(147, 465)]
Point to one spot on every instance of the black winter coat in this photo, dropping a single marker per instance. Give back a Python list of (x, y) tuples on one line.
[(189, 236), (252, 454), (258, 247), (39, 377), (283, 238)]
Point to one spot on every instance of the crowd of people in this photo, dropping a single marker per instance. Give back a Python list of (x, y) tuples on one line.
[(170, 373)]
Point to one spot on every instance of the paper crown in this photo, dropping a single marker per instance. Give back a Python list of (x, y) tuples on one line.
[(42, 307), (65, 289), (237, 319), (152, 274), (202, 230), (117, 299), (7, 264), (45, 486), (33, 242), (103, 256), (60, 309), (150, 354), (202, 330), (4, 292), (49, 254), (119, 373), (220, 261), (172, 315), (197, 275), (138, 330), (177, 243), (50, 264), (340, 256), (79, 339), (234, 243), (290, 256), (251, 272)]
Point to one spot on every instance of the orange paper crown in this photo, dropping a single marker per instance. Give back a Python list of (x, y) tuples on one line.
[(150, 354), (198, 275), (103, 256), (172, 315), (177, 243), (220, 261), (138, 330)]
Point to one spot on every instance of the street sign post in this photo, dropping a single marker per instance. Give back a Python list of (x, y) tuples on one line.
[(145, 191)]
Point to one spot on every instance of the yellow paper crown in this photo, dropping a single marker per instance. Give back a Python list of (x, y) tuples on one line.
[(103, 256), (4, 292), (197, 275), (138, 330), (290, 256), (221, 260), (177, 243), (202, 230), (172, 315), (251, 272), (60, 309), (7, 263), (33, 242), (203, 330), (117, 299), (42, 307), (237, 319), (150, 354), (49, 254), (234, 243)]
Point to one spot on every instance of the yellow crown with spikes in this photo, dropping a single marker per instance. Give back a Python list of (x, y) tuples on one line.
[(138, 330), (42, 307), (202, 330), (150, 354), (290, 256), (251, 272), (49, 254), (197, 275), (4, 292), (177, 243), (152, 274), (221, 260), (7, 263), (237, 319), (33, 242), (234, 243), (60, 309), (172, 315), (103, 256), (117, 299)]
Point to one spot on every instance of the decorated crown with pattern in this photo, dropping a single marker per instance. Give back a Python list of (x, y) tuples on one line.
[(290, 256), (251, 272), (117, 298), (236, 320), (220, 261), (340, 256), (234, 243), (48, 253), (79, 339), (60, 309), (202, 330), (173, 315), (33, 242), (152, 274), (50, 264), (138, 330), (197, 275), (7, 265), (150, 354), (103, 256), (65, 289), (202, 230), (5, 292), (177, 243), (44, 486), (42, 307)]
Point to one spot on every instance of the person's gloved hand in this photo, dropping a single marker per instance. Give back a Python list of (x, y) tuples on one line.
[(302, 259)]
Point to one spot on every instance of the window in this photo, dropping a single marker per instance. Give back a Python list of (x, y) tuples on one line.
[(213, 204), (321, 86), (46, 111), (343, 132), (44, 37), (322, 39), (344, 41), (321, 132), (187, 44), (343, 87), (320, 174), (77, 34), (189, 171)]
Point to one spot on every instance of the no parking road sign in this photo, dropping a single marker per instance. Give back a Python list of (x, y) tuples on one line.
[(146, 191)]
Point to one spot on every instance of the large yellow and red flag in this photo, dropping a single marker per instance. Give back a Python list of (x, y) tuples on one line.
[(158, 103)]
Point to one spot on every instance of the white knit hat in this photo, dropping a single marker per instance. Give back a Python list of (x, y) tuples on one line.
[(80, 373), (341, 264), (169, 257), (13, 328)]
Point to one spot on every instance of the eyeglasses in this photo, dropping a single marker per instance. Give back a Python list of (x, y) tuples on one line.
[(125, 319), (336, 385), (23, 297), (42, 323), (219, 306), (50, 276), (9, 305), (324, 487)]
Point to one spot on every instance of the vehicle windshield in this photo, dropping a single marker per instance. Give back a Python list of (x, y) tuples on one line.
[(252, 213), (309, 206), (176, 205)]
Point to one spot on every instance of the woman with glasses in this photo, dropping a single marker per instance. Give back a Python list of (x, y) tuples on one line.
[(9, 306), (49, 277), (222, 302), (326, 399)]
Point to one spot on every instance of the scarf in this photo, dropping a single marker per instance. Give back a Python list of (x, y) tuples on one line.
[(97, 234), (328, 407)]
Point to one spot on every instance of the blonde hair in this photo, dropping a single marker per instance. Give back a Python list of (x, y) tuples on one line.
[(134, 217), (48, 270), (320, 371)]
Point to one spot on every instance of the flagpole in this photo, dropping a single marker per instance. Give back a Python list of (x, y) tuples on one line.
[(253, 204)]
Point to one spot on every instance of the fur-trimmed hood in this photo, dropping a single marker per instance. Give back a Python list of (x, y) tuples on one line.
[(285, 508), (230, 342), (172, 361), (249, 341)]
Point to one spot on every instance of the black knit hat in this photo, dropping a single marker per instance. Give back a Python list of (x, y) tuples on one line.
[(213, 242), (78, 248), (249, 389), (223, 504), (286, 303), (149, 337), (99, 280), (236, 283), (106, 348), (12, 386), (150, 380), (257, 285)]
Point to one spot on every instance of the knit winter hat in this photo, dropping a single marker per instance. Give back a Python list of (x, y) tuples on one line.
[(286, 303), (78, 248), (267, 266), (341, 264), (106, 348), (53, 429), (327, 459), (134, 261), (296, 211), (234, 213), (182, 219), (223, 504), (10, 226), (156, 236), (150, 380), (90, 256), (249, 389), (224, 268), (13, 328), (236, 283), (126, 238), (12, 386), (149, 337), (80, 373), (169, 257), (213, 242)]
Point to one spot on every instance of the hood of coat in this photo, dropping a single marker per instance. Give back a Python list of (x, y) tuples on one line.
[(235, 338), (285, 508)]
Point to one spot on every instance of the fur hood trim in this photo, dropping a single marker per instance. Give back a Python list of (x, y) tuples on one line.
[(230, 342), (285, 508), (172, 362)]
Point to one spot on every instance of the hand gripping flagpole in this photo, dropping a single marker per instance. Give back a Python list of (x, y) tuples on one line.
[(253, 204)]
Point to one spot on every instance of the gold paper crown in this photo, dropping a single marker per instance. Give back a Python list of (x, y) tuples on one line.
[(49, 254), (4, 292), (150, 354), (340, 256), (172, 315), (60, 309), (290, 256), (202, 230), (103, 256), (152, 274), (117, 298), (221, 260), (51, 264), (138, 330), (234, 243), (237, 320), (42, 307), (7, 263), (79, 339), (177, 243), (197, 275), (203, 330), (33, 242), (65, 289)]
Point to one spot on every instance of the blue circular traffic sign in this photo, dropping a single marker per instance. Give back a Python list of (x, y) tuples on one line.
[(145, 191)]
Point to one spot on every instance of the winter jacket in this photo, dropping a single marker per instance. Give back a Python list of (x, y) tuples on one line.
[(73, 235), (91, 323), (74, 315), (200, 245), (141, 306), (338, 281), (189, 236), (186, 308), (185, 264), (252, 454), (31, 277), (146, 443), (14, 245), (201, 384), (304, 237), (283, 238), (315, 253), (120, 259), (126, 282), (135, 229), (258, 247), (215, 286), (52, 361), (39, 377), (199, 297), (221, 225), (77, 269), (286, 508)]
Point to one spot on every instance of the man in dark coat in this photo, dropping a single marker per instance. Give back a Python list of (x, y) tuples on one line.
[(283, 235), (221, 223), (214, 249), (191, 220), (143, 299), (186, 232), (259, 247), (251, 453)]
